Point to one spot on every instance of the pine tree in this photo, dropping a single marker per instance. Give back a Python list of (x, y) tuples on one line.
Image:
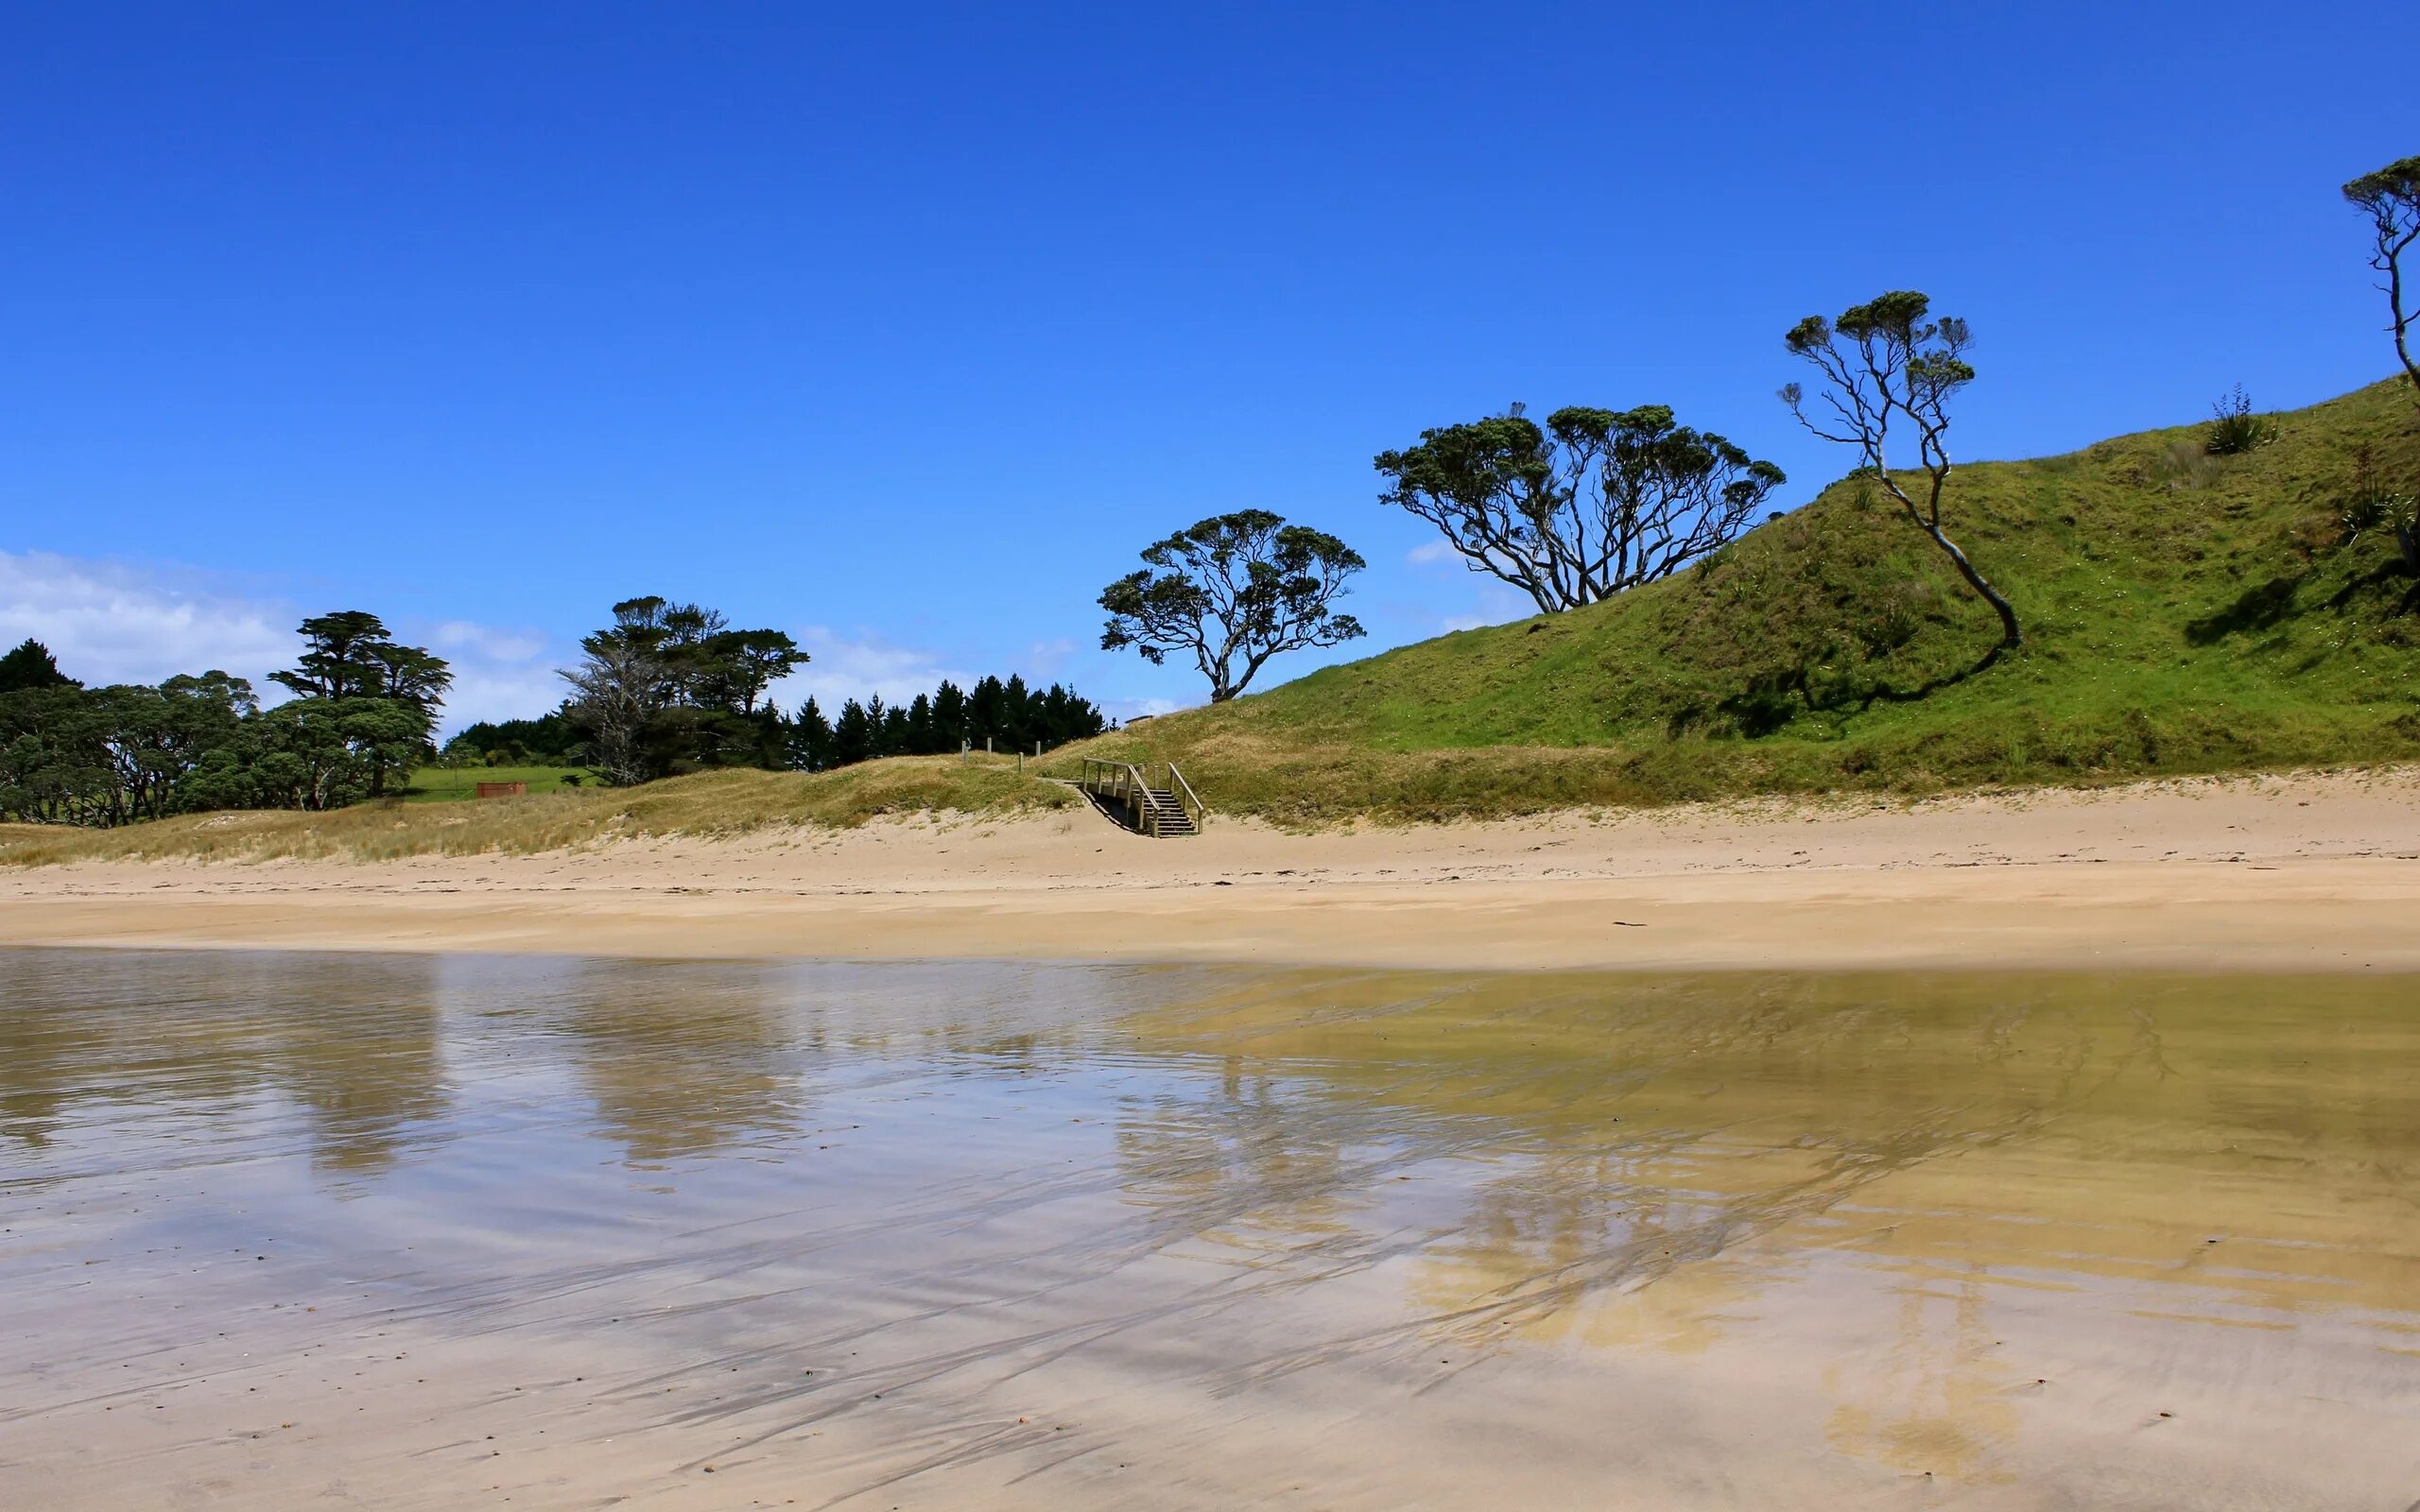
[(31, 666), (987, 711), (809, 742), (853, 734), (949, 715)]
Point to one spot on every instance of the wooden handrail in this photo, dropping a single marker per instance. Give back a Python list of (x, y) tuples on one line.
[(1178, 784)]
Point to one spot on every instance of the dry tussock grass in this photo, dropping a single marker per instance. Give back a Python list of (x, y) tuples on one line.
[(711, 803)]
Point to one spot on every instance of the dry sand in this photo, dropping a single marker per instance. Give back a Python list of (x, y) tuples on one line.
[(2297, 872)]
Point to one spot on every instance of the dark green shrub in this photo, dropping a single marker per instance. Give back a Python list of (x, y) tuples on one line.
[(2234, 428)]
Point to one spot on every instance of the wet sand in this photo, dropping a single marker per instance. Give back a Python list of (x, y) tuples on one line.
[(281, 1231), (2291, 873)]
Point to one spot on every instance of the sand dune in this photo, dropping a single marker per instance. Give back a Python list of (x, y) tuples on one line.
[(2313, 871)]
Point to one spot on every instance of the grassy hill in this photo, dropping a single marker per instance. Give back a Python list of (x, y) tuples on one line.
[(2184, 614)]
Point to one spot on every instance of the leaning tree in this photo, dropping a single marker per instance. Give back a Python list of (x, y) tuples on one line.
[(1232, 591), (1884, 359), (1594, 502), (2390, 198)]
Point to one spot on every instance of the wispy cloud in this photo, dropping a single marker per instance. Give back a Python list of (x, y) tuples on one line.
[(840, 667), (1122, 710), (1044, 659), (498, 673), (1432, 553)]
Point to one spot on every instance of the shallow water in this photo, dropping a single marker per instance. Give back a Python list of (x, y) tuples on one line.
[(432, 1232)]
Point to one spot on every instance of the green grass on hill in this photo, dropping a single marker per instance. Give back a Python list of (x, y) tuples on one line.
[(455, 784), (2184, 614)]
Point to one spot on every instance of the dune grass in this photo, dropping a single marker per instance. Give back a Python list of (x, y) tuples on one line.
[(2185, 613), (708, 804)]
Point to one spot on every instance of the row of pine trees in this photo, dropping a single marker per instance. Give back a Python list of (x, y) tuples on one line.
[(1003, 715)]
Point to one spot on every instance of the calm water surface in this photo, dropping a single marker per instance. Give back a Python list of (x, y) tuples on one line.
[(279, 1229)]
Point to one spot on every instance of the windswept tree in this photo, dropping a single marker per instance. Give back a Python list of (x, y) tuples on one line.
[(1232, 591), (2390, 198), (1885, 360), (1592, 503)]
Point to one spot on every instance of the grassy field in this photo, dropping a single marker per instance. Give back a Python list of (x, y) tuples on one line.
[(456, 784), (2184, 614), (711, 803)]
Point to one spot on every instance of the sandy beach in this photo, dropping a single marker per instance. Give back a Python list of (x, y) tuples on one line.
[(2273, 873)]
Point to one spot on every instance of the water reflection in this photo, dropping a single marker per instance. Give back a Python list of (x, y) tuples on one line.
[(1953, 1228), (710, 1066), (353, 1048)]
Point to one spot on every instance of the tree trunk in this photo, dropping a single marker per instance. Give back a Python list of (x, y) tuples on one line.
[(2011, 636)]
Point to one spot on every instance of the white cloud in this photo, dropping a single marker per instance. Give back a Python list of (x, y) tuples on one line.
[(462, 635), (107, 622), (1432, 554), (498, 673), (111, 622), (840, 667)]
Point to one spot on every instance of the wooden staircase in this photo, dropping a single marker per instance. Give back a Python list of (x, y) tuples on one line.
[(1164, 817), (1163, 811)]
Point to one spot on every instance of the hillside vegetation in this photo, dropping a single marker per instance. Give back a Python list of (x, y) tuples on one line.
[(2185, 612), (728, 803)]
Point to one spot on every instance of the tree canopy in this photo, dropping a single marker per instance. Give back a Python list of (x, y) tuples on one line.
[(669, 688), (364, 708), (1232, 591), (1593, 502), (1005, 715)]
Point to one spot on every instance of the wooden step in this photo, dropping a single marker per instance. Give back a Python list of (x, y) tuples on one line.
[(1164, 815)]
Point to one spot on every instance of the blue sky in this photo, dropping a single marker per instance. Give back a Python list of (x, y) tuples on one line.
[(904, 328)]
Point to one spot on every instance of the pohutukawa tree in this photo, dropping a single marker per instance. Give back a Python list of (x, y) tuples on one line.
[(2390, 198), (1885, 361), (1594, 502), (1233, 592)]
